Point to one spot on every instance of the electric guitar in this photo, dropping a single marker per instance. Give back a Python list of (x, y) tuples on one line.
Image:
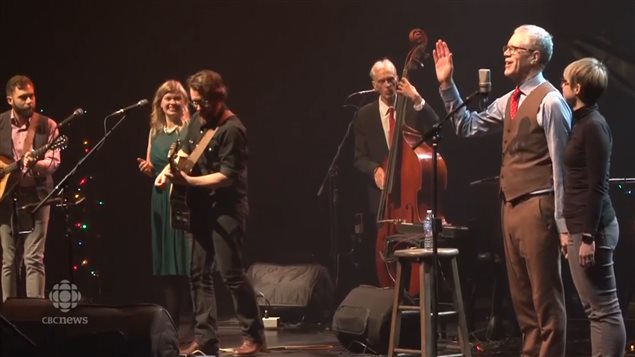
[(180, 212), (7, 166)]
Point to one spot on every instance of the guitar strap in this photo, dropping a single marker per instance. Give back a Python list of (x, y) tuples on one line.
[(187, 164), (202, 144), (221, 118), (30, 134)]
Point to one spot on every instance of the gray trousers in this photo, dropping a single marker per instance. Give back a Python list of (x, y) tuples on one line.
[(532, 257), (598, 293), (32, 247)]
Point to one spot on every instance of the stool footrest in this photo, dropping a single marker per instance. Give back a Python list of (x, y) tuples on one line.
[(409, 307), (407, 350), (416, 308), (418, 352), (447, 313)]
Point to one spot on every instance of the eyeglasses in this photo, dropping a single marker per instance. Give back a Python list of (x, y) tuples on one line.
[(203, 103), (515, 49)]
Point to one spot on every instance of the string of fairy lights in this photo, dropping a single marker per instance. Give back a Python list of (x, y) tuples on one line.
[(85, 233)]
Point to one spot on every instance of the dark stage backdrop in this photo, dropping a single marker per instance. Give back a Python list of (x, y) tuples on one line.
[(289, 66)]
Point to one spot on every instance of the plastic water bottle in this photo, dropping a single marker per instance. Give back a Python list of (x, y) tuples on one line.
[(427, 230)]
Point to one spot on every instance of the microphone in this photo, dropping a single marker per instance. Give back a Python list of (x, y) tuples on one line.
[(140, 103), (484, 82), (361, 92), (76, 114)]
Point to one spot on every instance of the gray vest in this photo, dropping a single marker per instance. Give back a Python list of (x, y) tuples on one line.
[(526, 166)]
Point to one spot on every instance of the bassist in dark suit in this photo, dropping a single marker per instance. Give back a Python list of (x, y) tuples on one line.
[(217, 198), (22, 129), (372, 135)]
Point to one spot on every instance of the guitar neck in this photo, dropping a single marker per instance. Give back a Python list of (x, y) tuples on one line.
[(39, 152), (36, 153)]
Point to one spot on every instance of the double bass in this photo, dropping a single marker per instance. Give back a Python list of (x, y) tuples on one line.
[(408, 187)]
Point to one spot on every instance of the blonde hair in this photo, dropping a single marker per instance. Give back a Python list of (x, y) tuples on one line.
[(158, 120), (592, 77)]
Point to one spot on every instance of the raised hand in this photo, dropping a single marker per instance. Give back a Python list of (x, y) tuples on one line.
[(443, 63)]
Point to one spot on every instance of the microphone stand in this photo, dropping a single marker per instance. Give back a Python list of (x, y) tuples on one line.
[(434, 134), (333, 194), (61, 186)]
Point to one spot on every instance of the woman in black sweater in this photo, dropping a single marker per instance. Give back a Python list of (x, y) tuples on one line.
[(589, 214)]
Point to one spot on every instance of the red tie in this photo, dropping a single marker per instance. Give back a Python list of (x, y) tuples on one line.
[(391, 124), (514, 104)]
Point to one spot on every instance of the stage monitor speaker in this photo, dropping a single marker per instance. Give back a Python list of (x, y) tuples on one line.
[(293, 292), (362, 321), (11, 338), (86, 330)]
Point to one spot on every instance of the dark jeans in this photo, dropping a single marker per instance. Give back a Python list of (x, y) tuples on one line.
[(217, 244), (598, 293)]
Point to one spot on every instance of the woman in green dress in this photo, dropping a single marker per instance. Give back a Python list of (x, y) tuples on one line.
[(170, 247)]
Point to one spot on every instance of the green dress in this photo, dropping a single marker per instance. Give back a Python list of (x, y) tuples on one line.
[(170, 247)]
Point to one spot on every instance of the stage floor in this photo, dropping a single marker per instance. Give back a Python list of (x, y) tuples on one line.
[(297, 340)]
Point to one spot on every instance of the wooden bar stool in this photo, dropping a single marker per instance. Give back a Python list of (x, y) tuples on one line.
[(422, 256)]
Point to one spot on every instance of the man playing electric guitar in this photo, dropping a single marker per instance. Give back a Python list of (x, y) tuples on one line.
[(21, 130), (217, 199)]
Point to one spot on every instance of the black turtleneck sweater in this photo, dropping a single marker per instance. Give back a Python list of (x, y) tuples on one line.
[(587, 157)]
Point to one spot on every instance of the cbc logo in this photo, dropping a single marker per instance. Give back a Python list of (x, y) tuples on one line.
[(65, 296)]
